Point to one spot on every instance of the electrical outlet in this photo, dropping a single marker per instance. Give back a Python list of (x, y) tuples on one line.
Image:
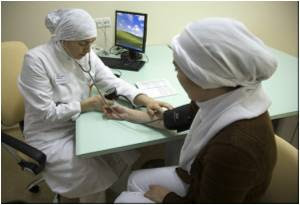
[(106, 21), (103, 22)]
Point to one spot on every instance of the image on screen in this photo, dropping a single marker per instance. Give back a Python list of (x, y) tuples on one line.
[(130, 30)]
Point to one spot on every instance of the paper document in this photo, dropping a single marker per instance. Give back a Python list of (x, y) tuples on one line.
[(156, 88)]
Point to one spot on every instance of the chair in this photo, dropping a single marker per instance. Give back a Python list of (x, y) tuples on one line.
[(12, 107), (284, 187)]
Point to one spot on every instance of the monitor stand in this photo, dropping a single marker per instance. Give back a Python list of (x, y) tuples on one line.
[(131, 56)]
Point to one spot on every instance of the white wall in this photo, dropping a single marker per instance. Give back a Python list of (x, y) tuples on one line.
[(276, 23)]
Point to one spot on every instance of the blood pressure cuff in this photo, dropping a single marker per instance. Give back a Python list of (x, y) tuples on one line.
[(180, 118)]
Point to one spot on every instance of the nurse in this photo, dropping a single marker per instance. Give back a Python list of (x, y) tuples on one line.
[(56, 91), (229, 153)]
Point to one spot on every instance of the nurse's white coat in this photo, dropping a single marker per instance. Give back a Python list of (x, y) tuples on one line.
[(53, 86)]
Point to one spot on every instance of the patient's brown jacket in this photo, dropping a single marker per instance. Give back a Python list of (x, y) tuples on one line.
[(234, 167)]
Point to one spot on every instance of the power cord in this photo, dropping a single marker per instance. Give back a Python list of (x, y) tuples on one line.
[(117, 50), (111, 94), (105, 41), (118, 74), (147, 59)]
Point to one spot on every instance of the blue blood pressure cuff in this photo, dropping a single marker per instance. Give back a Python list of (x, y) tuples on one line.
[(180, 118)]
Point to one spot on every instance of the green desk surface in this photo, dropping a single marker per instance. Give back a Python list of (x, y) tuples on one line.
[(96, 135), (282, 87)]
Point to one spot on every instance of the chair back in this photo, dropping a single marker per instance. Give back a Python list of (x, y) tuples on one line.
[(12, 105), (284, 184)]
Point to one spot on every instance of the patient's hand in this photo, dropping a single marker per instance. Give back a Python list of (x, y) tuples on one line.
[(119, 112), (156, 193)]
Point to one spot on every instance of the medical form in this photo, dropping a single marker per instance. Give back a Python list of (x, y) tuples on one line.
[(156, 88)]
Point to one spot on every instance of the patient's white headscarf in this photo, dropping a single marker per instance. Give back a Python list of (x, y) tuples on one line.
[(221, 52), (218, 52), (71, 24)]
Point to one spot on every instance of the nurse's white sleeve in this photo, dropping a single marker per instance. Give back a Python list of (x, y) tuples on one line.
[(35, 86), (106, 80)]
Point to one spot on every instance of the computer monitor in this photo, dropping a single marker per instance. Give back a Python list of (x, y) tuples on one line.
[(130, 33)]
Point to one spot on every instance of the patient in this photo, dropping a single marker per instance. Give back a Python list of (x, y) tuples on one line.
[(229, 153)]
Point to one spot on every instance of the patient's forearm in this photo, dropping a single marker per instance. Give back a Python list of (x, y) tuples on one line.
[(143, 117)]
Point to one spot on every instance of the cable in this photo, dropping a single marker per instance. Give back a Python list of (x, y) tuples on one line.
[(118, 50), (110, 50), (119, 74), (123, 96), (150, 121), (147, 59), (103, 29), (105, 39)]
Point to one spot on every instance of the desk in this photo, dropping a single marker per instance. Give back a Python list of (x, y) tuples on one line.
[(98, 136), (282, 87)]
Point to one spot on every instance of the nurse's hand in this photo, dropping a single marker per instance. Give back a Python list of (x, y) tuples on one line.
[(157, 107), (156, 193), (94, 103), (153, 106)]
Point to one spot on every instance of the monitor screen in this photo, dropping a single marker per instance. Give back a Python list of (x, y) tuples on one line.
[(131, 30)]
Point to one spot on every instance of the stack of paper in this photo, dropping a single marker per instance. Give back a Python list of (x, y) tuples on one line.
[(156, 88)]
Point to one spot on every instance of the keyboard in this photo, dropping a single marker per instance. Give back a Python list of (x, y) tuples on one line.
[(117, 63)]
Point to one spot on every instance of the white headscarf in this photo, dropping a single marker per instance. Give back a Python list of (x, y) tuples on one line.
[(220, 52), (71, 24)]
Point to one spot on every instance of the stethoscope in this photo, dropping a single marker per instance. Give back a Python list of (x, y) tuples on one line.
[(88, 71)]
